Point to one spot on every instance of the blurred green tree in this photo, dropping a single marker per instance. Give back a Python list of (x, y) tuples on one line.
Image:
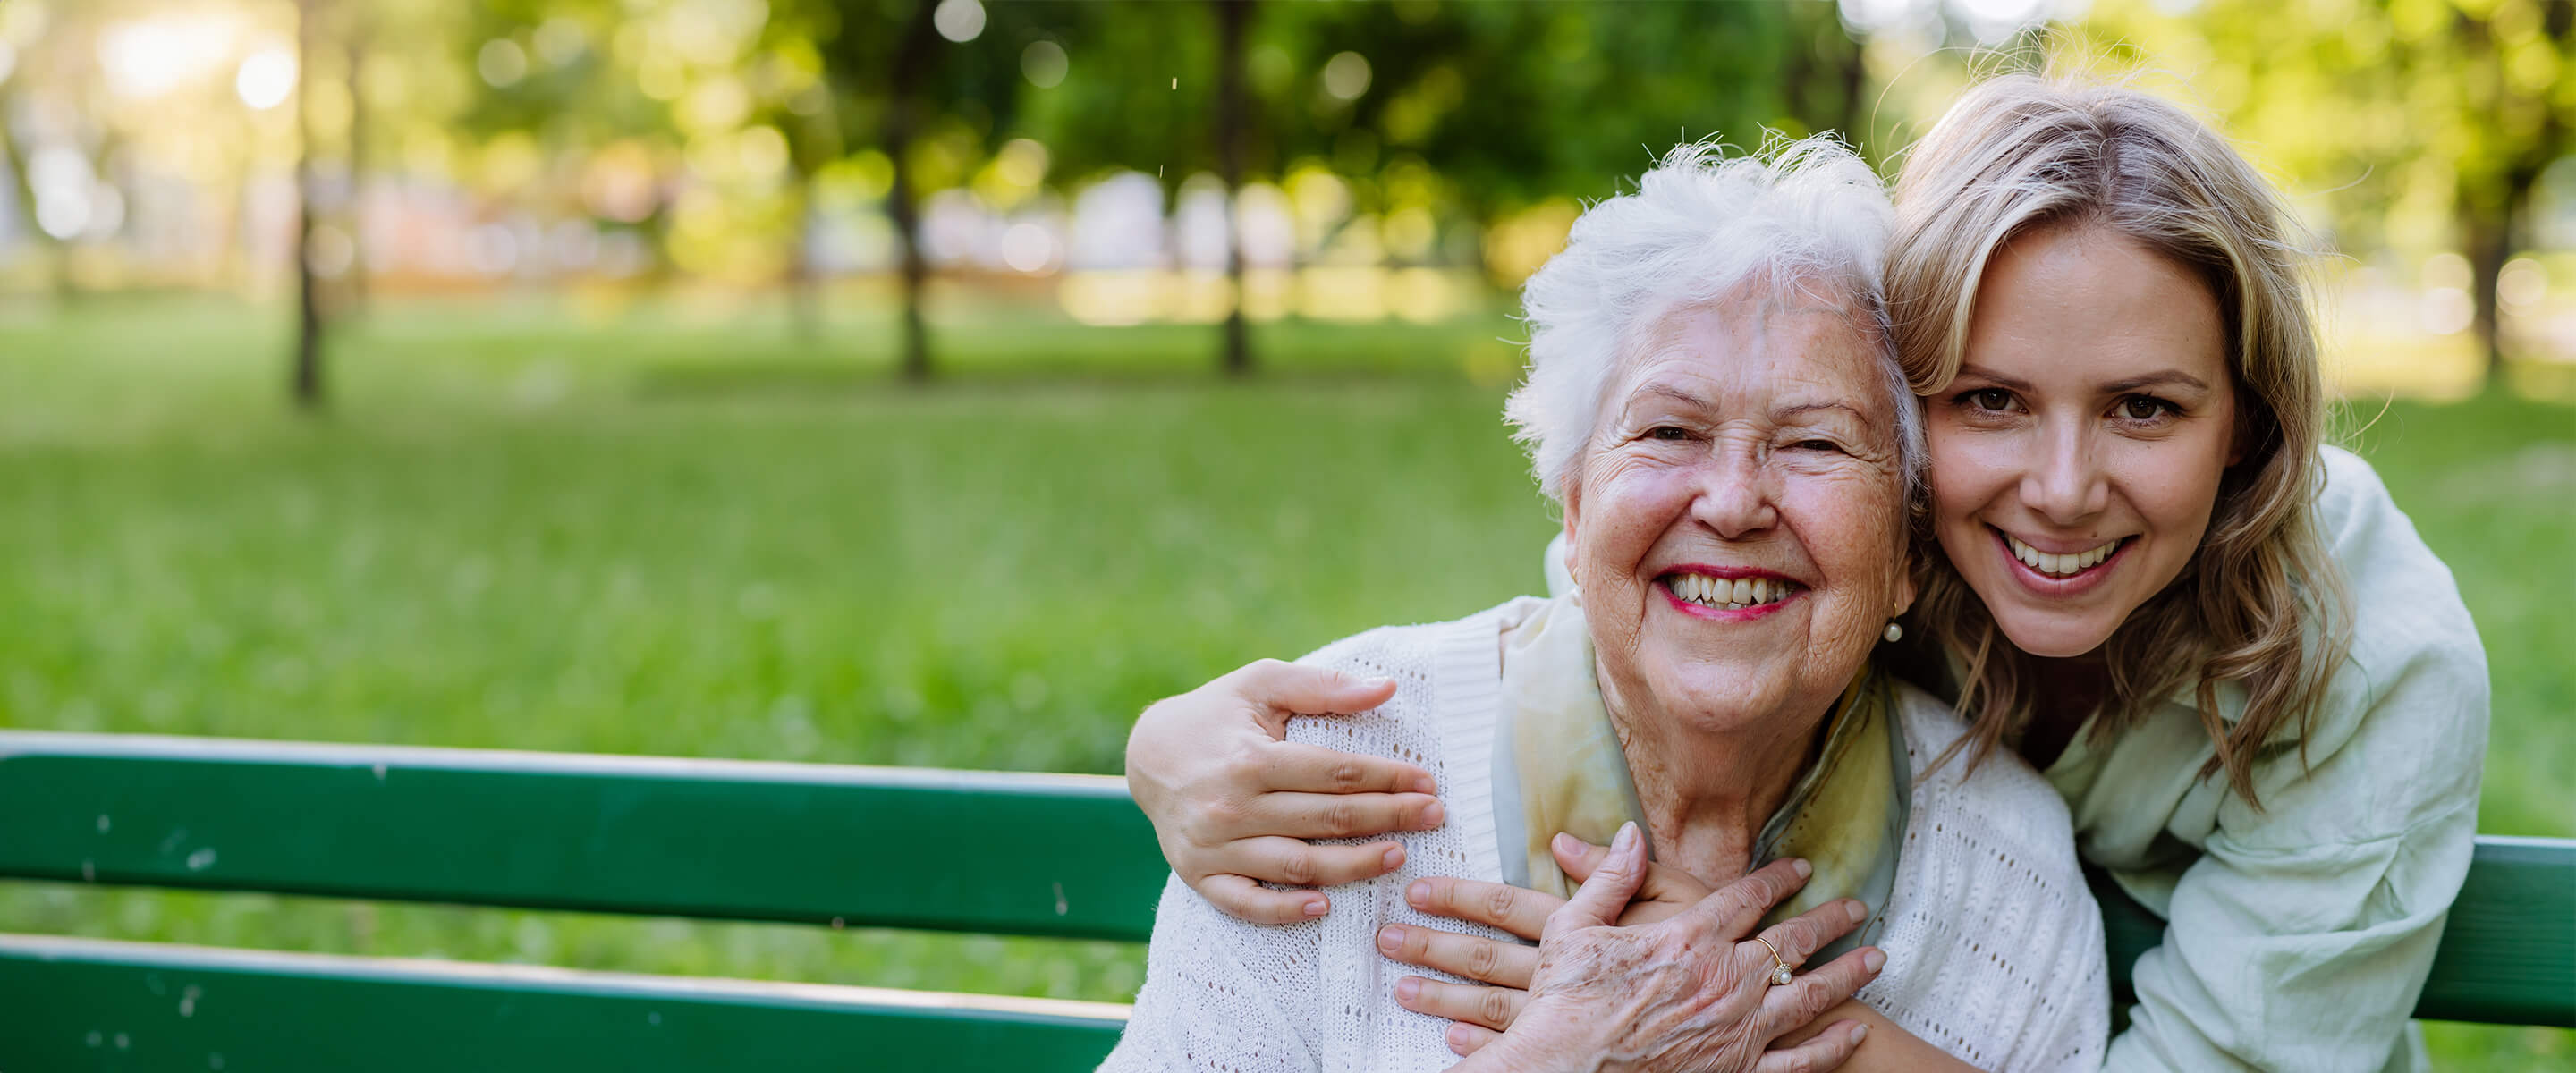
[(2399, 112)]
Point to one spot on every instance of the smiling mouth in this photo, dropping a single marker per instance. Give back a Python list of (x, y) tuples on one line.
[(1729, 594), (2068, 565)]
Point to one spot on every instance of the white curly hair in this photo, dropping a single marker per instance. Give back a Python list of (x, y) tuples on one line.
[(1801, 212)]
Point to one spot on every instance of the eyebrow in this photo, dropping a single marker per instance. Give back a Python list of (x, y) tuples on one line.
[(2159, 378), (1676, 394), (1781, 414), (1802, 409)]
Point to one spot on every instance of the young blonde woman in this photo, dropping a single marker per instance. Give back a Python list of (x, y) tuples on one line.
[(2218, 639)]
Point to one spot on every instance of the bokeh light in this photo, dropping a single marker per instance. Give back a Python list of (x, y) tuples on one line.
[(265, 78), (958, 20), (1346, 75), (1044, 64)]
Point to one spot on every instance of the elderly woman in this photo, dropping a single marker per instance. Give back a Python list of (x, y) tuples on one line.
[(1714, 402)]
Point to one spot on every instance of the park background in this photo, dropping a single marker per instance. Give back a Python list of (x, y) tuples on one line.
[(935, 382)]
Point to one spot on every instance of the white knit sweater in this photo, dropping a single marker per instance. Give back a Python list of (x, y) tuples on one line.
[(1994, 945)]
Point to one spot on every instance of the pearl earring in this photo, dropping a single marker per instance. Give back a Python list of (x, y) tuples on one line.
[(1894, 631)]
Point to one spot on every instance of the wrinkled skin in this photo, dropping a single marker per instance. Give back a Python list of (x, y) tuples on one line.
[(1667, 995)]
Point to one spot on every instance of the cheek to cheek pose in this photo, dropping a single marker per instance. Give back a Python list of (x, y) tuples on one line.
[(2137, 565), (1715, 405)]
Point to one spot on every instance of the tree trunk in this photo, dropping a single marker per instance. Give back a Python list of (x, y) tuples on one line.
[(353, 293), (1231, 133), (2488, 245), (903, 108), (804, 304), (1851, 69), (308, 323)]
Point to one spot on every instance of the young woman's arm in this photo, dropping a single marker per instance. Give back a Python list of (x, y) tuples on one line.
[(1233, 803)]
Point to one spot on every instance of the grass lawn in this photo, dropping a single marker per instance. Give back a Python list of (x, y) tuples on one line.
[(546, 525)]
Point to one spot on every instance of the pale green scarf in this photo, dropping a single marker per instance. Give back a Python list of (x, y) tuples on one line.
[(1558, 766)]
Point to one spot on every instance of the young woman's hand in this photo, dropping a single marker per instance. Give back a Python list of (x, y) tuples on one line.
[(1692, 974), (1233, 802)]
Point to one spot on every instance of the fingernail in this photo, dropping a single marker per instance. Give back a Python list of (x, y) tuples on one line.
[(1316, 907), (1874, 960), (1379, 682), (1859, 1033), (1856, 911), (1418, 894), (1390, 938), (1627, 839), (1457, 1037), (1433, 814), (1408, 987), (1800, 866), (1394, 858), (1565, 843)]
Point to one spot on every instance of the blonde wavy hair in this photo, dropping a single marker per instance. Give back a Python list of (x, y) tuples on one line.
[(2260, 603)]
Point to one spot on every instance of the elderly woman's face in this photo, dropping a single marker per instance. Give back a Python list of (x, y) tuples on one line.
[(1736, 522)]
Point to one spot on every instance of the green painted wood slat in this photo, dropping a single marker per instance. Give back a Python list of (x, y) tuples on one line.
[(75, 1004), (1046, 855)]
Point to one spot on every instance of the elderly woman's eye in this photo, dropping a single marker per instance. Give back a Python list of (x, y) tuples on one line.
[(1817, 445), (1668, 432), (2145, 408)]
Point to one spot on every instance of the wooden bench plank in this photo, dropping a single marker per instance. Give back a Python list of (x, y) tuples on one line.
[(1046, 855), (77, 1004)]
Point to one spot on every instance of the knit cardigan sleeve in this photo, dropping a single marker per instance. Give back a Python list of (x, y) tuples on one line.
[(1221, 994)]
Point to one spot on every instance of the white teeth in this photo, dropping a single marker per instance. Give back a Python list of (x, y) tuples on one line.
[(1732, 594), (2057, 565)]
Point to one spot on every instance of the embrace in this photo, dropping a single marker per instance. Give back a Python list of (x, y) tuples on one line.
[(1914, 557)]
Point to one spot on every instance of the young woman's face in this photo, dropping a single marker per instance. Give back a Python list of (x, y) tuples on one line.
[(2077, 456)]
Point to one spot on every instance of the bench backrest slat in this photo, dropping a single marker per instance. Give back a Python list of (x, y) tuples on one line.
[(1047, 855)]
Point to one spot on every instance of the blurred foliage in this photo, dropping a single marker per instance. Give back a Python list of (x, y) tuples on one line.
[(729, 136), (2414, 124)]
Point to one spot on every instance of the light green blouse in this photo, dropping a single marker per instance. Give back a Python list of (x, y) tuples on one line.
[(2299, 936)]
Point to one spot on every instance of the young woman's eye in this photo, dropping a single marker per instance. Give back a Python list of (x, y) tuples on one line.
[(2144, 408), (1987, 398)]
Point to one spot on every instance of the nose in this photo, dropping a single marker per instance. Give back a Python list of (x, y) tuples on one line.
[(1736, 496), (2065, 484)]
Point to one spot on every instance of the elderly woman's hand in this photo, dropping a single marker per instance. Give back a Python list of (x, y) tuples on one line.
[(1233, 802), (1690, 992), (1484, 1009)]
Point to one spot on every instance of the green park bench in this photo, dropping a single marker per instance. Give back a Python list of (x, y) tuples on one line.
[(1064, 856)]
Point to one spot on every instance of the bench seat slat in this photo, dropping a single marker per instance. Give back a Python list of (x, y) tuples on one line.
[(1045, 855), (142, 1007)]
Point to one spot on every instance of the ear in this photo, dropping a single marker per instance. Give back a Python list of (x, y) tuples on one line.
[(1905, 591), (1572, 498)]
